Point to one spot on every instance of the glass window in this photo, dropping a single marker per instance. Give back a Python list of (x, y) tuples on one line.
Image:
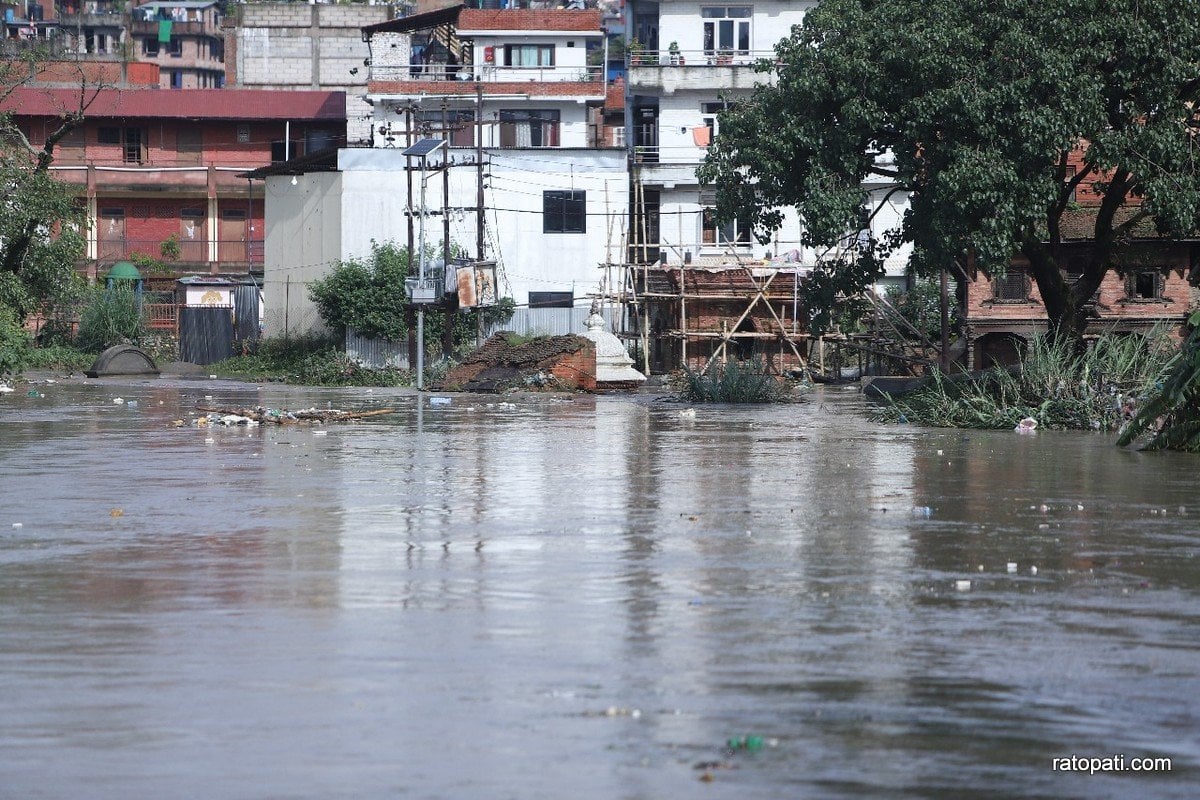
[(726, 29), (564, 212), (529, 128), (730, 232), (529, 55)]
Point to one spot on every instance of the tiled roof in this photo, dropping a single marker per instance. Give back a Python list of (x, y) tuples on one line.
[(241, 104), (475, 19)]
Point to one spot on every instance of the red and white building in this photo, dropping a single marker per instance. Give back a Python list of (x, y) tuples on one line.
[(154, 166)]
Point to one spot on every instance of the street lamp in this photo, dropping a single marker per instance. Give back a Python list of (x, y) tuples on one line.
[(420, 294)]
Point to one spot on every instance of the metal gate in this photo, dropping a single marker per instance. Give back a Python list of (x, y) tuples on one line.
[(206, 333), (245, 315)]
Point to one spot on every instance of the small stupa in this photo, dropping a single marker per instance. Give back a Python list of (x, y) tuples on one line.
[(614, 367)]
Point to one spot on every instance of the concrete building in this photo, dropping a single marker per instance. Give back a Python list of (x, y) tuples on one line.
[(514, 97), (288, 46), (687, 60)]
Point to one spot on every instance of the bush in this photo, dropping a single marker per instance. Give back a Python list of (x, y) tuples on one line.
[(1054, 385), (733, 382), (307, 360), (1169, 414), (111, 316), (15, 343)]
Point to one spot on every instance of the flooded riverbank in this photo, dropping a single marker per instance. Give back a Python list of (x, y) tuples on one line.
[(583, 599)]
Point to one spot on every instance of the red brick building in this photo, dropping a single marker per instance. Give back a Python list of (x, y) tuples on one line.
[(158, 169), (1152, 282)]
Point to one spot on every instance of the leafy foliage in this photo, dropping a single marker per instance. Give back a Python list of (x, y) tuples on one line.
[(14, 343), (1055, 386), (921, 307), (307, 360), (368, 296), (111, 316), (976, 110), (1169, 415), (733, 382)]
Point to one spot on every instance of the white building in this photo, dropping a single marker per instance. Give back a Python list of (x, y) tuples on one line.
[(513, 94), (691, 58)]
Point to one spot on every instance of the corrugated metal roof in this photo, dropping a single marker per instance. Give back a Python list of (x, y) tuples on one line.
[(240, 104)]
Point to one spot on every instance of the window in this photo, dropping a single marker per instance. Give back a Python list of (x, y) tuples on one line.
[(176, 79), (731, 232), (189, 146), (131, 141), (709, 112), (529, 55), (133, 150), (564, 212), (726, 29), (1144, 285), (243, 134), (529, 128), (460, 121), (150, 46), (551, 299), (175, 47), (1011, 287)]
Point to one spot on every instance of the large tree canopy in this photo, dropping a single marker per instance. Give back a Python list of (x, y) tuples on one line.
[(975, 108), (41, 223)]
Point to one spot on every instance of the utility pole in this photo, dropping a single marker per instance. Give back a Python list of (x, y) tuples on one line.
[(449, 303), (410, 319), (478, 198)]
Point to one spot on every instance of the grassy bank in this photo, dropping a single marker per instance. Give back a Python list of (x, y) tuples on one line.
[(1098, 390)]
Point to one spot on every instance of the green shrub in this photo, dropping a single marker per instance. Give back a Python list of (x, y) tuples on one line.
[(733, 382), (15, 343), (110, 316), (1168, 416), (1054, 385)]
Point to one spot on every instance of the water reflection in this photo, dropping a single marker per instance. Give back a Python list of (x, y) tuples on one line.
[(582, 599)]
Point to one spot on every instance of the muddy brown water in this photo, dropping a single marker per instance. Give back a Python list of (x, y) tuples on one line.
[(583, 599)]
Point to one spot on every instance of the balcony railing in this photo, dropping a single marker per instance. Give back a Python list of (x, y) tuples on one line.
[(695, 58), (488, 73), (231, 252)]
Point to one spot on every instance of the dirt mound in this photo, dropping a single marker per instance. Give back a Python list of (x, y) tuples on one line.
[(554, 363)]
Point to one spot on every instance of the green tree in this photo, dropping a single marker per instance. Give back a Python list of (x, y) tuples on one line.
[(369, 296), (41, 223), (974, 108)]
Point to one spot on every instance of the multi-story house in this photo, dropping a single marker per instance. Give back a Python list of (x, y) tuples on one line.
[(158, 170), (687, 60), (27, 23), (184, 38), (519, 104)]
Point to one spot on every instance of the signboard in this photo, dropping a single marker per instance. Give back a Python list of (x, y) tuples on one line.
[(477, 285)]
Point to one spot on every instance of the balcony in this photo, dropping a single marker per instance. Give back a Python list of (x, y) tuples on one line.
[(142, 28), (488, 73), (665, 72)]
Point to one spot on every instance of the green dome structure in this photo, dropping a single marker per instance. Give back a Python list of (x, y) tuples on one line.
[(123, 271)]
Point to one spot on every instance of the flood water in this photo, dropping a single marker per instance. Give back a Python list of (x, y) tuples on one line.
[(582, 600)]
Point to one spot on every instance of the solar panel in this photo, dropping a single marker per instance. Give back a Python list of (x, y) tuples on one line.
[(424, 147)]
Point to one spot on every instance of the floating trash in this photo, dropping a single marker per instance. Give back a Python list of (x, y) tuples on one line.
[(1033, 570), (922, 511), (18, 524), (688, 413), (439, 401), (5, 388), (1012, 567), (962, 586), (1027, 425)]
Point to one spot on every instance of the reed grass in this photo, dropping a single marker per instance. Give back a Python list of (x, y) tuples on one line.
[(1054, 385)]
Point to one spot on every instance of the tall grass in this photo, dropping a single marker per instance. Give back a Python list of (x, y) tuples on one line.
[(733, 382), (1169, 416), (1053, 385)]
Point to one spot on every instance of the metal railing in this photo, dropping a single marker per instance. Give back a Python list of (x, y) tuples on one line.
[(488, 73), (695, 58)]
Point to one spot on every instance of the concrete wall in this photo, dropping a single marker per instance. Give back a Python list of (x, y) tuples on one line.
[(303, 240), (328, 217), (291, 45)]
